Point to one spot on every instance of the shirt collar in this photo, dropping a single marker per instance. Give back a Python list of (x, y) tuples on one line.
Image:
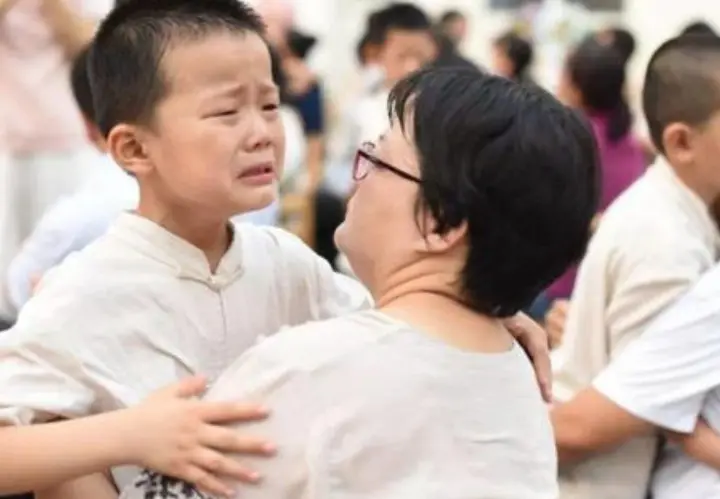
[(187, 261), (697, 207)]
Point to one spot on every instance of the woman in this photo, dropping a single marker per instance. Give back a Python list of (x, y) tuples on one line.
[(594, 82), (513, 57), (478, 196)]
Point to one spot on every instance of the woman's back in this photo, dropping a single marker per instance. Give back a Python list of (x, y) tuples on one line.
[(366, 406)]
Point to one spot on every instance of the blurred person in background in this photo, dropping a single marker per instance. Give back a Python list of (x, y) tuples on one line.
[(653, 243), (367, 54), (403, 36), (305, 94), (698, 28), (449, 33), (294, 175), (512, 57), (278, 16), (454, 26), (78, 219), (43, 145), (621, 39), (593, 81)]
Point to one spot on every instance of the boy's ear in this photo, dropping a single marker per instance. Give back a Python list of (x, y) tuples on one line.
[(125, 144)]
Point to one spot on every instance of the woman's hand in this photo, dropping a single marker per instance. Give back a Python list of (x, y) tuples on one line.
[(534, 340)]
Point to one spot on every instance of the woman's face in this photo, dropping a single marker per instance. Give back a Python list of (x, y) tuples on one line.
[(380, 227)]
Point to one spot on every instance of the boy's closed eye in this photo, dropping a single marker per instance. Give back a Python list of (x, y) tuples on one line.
[(226, 112)]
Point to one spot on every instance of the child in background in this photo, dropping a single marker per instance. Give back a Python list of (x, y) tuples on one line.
[(76, 220)]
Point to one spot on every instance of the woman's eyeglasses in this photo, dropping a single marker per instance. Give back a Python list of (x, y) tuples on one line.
[(365, 161)]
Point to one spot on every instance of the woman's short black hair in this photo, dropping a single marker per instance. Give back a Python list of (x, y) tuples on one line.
[(511, 162)]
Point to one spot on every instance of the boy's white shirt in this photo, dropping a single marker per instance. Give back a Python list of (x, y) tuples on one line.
[(139, 309)]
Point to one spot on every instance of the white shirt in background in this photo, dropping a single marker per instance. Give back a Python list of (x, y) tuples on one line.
[(71, 224), (367, 407), (654, 242), (669, 377), (139, 309)]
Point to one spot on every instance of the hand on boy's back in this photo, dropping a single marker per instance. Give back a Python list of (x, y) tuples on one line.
[(176, 434)]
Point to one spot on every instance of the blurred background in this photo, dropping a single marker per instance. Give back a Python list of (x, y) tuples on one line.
[(334, 60)]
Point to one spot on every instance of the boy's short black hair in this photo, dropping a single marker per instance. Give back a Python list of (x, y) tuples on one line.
[(125, 61), (682, 84), (514, 165), (80, 85), (397, 16)]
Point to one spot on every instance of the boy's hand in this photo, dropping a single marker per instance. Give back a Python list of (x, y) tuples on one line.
[(534, 340), (178, 435)]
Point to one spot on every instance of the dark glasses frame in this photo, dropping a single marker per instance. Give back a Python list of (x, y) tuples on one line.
[(364, 154)]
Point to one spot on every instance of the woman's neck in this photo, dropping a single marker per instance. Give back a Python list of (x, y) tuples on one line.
[(429, 303)]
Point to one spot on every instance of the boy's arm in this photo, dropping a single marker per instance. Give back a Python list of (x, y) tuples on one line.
[(660, 381), (171, 432), (703, 444), (40, 456), (54, 364), (97, 486)]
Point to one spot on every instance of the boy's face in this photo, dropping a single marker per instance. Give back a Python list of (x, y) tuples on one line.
[(404, 52), (694, 151), (216, 144)]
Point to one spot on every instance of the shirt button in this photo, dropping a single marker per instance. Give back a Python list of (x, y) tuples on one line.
[(214, 283)]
